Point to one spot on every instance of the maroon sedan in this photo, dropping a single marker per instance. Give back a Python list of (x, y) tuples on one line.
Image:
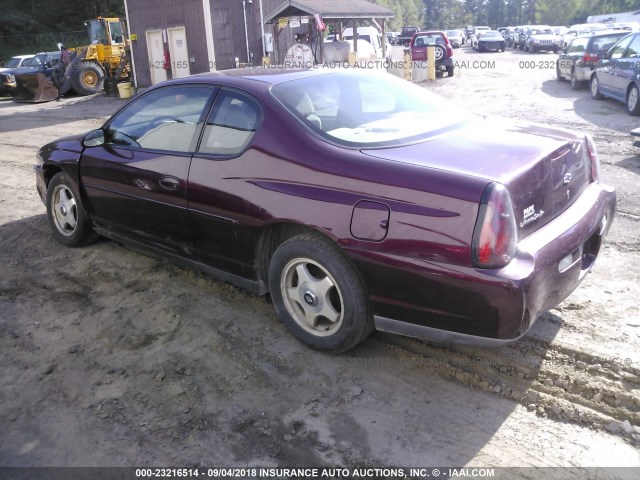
[(354, 199)]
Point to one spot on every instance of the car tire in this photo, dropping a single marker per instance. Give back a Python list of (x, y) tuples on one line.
[(68, 220), (594, 87), (450, 71), (575, 83), (87, 79), (318, 294), (555, 50), (443, 52), (633, 101)]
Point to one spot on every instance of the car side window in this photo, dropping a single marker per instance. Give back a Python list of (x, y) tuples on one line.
[(231, 125), (164, 119), (618, 50), (634, 49), (577, 46)]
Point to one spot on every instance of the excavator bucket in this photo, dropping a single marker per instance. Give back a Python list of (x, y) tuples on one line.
[(34, 88)]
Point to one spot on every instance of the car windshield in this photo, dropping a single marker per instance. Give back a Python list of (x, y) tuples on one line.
[(14, 62), (490, 34), (38, 60), (451, 33), (373, 110), (542, 31)]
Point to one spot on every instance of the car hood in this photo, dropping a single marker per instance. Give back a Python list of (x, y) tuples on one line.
[(21, 71), (72, 143)]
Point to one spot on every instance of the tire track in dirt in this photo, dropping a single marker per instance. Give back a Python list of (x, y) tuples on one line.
[(551, 380)]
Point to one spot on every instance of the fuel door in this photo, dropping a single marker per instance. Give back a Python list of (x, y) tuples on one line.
[(370, 221)]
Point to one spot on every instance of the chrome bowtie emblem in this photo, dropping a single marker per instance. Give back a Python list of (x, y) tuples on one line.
[(566, 179)]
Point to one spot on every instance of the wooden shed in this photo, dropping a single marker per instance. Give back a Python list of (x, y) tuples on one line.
[(176, 38)]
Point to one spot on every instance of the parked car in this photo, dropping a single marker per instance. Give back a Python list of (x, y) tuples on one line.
[(469, 31), (629, 26), (443, 49), (454, 37), (368, 34), (490, 40), (16, 62), (406, 35), (578, 60), (580, 29), (540, 38), (514, 36), (616, 75), (41, 63), (474, 37), (383, 205)]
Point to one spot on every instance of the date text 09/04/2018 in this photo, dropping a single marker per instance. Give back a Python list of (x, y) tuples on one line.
[(313, 472)]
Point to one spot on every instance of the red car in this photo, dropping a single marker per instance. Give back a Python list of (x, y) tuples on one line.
[(443, 49), (354, 199)]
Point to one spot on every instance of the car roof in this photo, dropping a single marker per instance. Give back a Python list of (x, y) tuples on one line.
[(265, 75), (604, 33)]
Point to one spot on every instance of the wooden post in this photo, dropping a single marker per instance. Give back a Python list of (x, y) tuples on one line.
[(431, 62), (384, 41)]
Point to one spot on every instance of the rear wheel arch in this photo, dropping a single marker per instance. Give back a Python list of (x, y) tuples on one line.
[(318, 293), (274, 235)]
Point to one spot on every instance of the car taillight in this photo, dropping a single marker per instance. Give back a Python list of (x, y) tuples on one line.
[(587, 57), (593, 158), (494, 236)]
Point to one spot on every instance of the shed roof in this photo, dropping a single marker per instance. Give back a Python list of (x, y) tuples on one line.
[(329, 9)]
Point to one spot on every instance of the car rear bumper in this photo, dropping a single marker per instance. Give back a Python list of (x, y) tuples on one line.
[(494, 307), (583, 74)]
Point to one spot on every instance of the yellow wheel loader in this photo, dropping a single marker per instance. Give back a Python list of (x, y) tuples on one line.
[(87, 70)]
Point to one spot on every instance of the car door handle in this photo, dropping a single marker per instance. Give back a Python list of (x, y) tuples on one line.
[(169, 183), (144, 184)]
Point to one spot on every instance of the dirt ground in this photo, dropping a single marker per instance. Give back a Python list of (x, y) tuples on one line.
[(113, 358)]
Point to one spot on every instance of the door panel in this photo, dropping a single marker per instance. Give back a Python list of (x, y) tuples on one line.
[(137, 193), (179, 52), (137, 182), (155, 49), (217, 179)]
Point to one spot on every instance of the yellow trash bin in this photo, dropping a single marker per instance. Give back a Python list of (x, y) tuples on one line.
[(124, 90)]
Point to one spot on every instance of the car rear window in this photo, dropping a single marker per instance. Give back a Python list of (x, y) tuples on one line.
[(428, 39), (606, 42), (376, 109)]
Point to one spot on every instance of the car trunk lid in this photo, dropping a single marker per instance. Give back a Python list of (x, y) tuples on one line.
[(544, 169)]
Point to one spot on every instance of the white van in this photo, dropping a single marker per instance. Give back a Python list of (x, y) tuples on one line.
[(371, 35)]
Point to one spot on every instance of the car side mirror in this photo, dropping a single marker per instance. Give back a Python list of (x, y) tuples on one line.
[(94, 138), (48, 65), (564, 50)]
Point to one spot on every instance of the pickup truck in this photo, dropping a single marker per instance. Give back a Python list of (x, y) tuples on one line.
[(406, 35)]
